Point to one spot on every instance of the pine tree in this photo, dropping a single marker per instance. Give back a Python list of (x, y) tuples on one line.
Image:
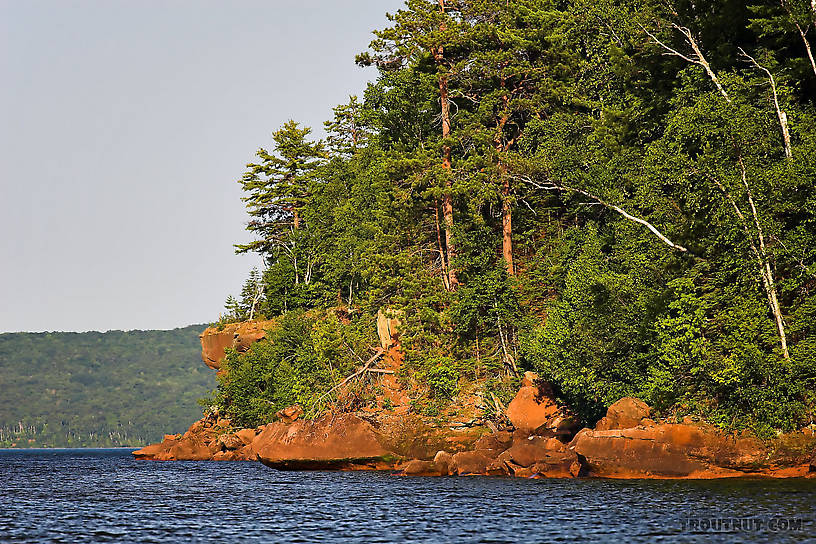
[(278, 187), (428, 31)]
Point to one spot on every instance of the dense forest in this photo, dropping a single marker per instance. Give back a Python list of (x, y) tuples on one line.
[(93, 389), (617, 194)]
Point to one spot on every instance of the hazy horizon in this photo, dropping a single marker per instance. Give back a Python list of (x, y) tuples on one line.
[(126, 127)]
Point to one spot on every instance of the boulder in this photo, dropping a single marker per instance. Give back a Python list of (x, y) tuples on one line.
[(469, 463), (246, 436), (534, 409), (226, 456), (422, 468), (335, 441), (290, 414), (190, 449), (495, 442), (558, 465), (527, 452), (442, 460), (628, 412), (666, 451), (230, 442), (151, 452)]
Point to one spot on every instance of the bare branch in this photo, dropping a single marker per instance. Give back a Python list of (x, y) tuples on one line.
[(780, 113), (670, 51), (552, 186), (802, 33), (698, 58), (760, 252)]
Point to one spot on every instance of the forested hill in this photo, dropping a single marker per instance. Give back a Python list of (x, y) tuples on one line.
[(617, 194), (96, 389)]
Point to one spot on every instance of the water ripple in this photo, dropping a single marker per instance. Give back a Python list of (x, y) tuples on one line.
[(106, 496)]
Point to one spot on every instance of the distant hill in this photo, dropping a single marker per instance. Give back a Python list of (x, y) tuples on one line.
[(92, 389)]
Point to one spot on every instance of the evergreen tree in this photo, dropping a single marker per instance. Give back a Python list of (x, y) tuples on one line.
[(278, 186)]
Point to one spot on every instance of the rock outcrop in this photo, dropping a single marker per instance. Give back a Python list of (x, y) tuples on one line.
[(238, 336), (335, 441), (627, 444), (208, 439), (539, 439)]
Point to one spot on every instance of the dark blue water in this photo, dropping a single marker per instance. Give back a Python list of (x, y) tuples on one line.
[(106, 496)]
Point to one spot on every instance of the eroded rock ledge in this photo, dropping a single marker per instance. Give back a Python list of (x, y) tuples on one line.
[(541, 442)]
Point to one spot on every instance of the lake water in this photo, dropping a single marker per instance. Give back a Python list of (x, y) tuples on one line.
[(106, 496)]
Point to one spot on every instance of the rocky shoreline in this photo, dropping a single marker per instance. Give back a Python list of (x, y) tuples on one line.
[(541, 442), (540, 438)]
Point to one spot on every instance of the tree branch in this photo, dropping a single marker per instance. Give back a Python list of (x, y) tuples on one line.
[(698, 59), (552, 186), (802, 33), (780, 113)]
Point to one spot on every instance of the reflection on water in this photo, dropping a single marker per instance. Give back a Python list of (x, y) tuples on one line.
[(105, 496)]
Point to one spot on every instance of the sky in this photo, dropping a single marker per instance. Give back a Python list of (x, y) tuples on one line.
[(124, 127)]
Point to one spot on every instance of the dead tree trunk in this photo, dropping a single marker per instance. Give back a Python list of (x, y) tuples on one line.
[(802, 33), (442, 258), (507, 220), (760, 252), (780, 113), (698, 58)]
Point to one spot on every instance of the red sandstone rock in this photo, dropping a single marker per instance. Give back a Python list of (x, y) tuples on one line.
[(422, 468), (289, 414), (150, 452), (225, 456), (230, 442), (558, 465), (469, 463), (442, 460), (535, 411), (530, 379), (497, 442), (190, 449), (527, 452), (666, 451), (628, 412), (246, 436), (238, 336), (331, 442), (532, 408)]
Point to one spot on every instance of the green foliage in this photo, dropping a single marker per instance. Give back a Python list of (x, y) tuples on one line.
[(93, 389), (653, 219), (301, 360)]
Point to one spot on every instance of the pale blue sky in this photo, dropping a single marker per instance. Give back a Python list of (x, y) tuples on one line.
[(124, 126)]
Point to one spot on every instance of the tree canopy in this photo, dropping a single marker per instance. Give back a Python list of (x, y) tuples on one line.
[(618, 194)]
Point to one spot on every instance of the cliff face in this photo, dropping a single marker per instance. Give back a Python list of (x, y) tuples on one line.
[(238, 336), (539, 437)]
